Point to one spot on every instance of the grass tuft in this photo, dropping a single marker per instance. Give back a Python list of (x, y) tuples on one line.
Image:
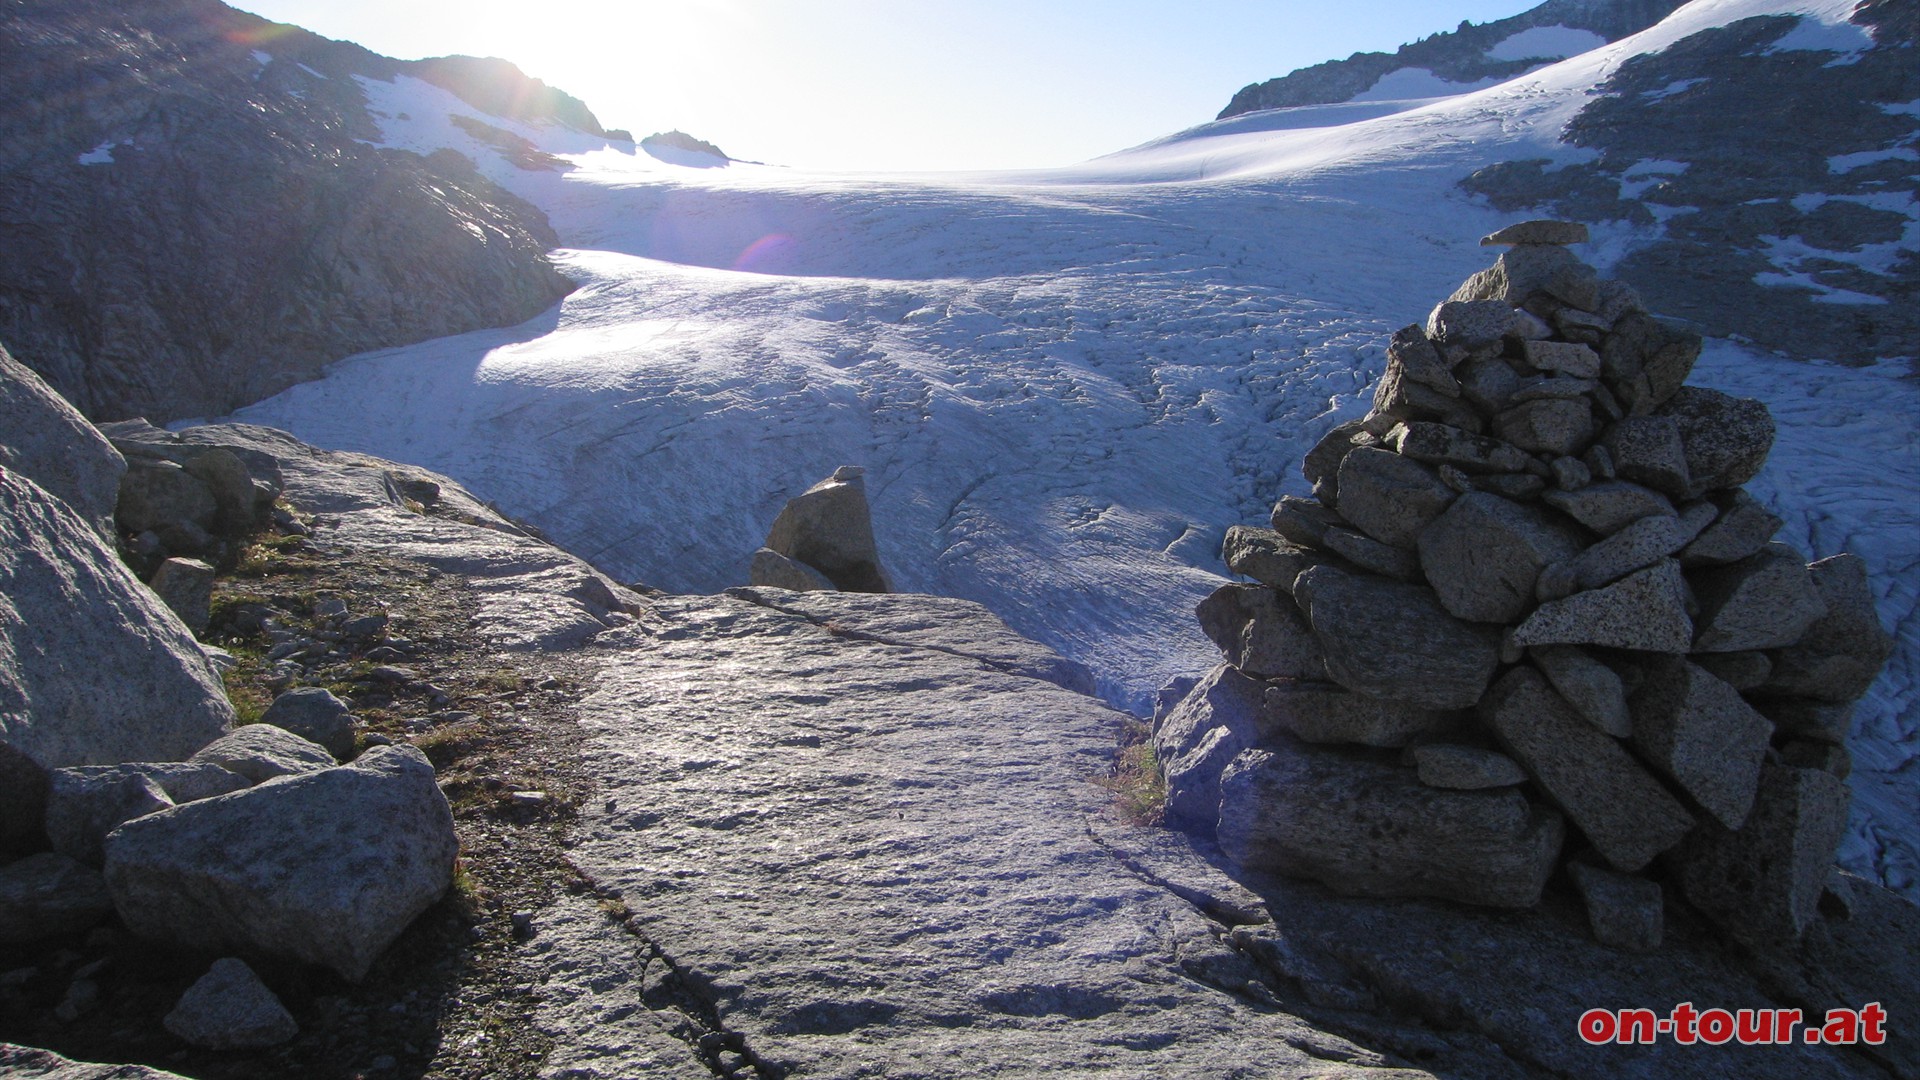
[(1136, 779)]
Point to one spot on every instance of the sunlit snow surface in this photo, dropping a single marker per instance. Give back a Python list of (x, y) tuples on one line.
[(1064, 385)]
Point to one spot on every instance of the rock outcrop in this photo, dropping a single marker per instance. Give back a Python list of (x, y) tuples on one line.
[(1463, 56), (326, 866), (199, 214), (27, 1062), (1533, 562), (1674, 148), (182, 502), (48, 894), (45, 439), (314, 714), (67, 595), (229, 1008), (828, 529)]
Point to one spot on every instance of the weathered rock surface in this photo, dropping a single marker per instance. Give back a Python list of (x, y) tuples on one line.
[(1726, 439), (1321, 466), (158, 495), (186, 587), (229, 1008), (1526, 269), (1625, 912), (1741, 529), (1488, 383), (31, 1064), (1647, 450), (1610, 506), (1763, 602), (1369, 829), (830, 528), (1369, 554), (1552, 426), (1567, 357), (260, 752), (1395, 641), (1439, 444), (917, 807), (1323, 713), (1465, 768), (1484, 556), (1645, 610), (47, 895), (46, 440), (1399, 397), (1634, 547), (1842, 652), (1266, 556), (1262, 632), (314, 714), (530, 595), (82, 809), (1762, 882), (183, 781), (772, 569), (1303, 522), (111, 296), (1198, 738), (66, 594), (1537, 232), (1699, 732), (1592, 688), (1607, 795), (1646, 361), (943, 623), (326, 867), (1389, 497), (1743, 671), (1472, 324)]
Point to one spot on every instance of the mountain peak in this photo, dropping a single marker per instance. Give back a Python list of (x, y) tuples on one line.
[(498, 86)]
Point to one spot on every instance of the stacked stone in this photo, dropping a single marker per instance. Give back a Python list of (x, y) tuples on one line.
[(1528, 620)]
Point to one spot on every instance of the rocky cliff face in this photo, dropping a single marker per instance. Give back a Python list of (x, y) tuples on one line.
[(1778, 216), (195, 215), (1465, 55)]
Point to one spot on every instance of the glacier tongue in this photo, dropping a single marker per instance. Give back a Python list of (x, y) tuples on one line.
[(1066, 444)]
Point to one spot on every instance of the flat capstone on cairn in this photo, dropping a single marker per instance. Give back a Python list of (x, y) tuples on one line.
[(1528, 621)]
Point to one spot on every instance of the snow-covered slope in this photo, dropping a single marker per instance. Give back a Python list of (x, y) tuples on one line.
[(1065, 385), (1467, 58)]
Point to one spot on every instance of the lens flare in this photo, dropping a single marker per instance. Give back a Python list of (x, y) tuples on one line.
[(763, 254)]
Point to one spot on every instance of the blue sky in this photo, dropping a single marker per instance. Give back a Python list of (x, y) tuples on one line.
[(894, 84)]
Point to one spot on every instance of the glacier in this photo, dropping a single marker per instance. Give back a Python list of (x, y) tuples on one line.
[(1065, 384)]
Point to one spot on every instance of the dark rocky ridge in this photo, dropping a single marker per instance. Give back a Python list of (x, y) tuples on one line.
[(1459, 55), (241, 236), (1755, 173), (680, 140)]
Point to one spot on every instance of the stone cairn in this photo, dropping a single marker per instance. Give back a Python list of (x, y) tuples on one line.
[(1529, 619)]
